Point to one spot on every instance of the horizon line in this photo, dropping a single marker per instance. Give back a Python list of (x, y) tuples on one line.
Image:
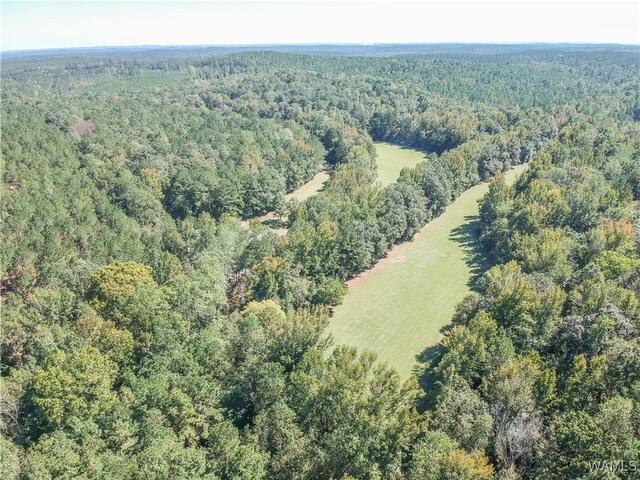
[(318, 44)]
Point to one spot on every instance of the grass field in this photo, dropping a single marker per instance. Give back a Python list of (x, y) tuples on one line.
[(398, 307), (311, 188), (392, 159)]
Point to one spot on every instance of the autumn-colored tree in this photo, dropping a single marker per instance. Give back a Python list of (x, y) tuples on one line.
[(113, 284)]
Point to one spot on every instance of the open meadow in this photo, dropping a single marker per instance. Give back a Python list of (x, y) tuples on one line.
[(398, 307), (311, 188), (392, 159)]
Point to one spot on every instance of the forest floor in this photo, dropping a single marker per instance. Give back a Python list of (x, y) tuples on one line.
[(392, 159), (398, 307)]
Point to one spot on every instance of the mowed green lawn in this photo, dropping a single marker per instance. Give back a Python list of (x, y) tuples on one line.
[(398, 307), (392, 159)]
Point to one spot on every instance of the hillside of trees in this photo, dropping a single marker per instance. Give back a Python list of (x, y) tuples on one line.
[(149, 333)]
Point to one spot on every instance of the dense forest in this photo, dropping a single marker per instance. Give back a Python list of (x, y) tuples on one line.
[(152, 330)]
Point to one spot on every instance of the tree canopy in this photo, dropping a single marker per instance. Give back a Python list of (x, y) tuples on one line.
[(149, 330)]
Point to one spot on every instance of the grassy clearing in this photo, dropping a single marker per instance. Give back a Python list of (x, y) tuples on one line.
[(392, 159), (398, 307), (309, 189)]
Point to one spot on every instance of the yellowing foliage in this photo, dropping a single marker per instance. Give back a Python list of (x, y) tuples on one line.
[(112, 284)]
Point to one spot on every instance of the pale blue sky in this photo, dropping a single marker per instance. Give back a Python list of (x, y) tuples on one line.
[(54, 24)]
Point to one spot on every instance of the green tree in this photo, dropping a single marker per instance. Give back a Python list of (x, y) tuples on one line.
[(75, 385), (575, 442), (615, 265), (437, 457), (329, 291), (463, 415), (191, 191), (402, 212), (291, 452)]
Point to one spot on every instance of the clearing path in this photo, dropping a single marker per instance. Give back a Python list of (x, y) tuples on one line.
[(398, 307), (392, 159), (309, 189)]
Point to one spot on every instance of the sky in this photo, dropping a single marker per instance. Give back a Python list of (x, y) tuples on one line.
[(58, 24)]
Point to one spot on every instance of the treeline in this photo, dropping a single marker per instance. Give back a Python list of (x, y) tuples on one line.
[(540, 367), (148, 333)]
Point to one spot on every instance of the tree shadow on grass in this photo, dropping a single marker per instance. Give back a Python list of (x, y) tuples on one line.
[(468, 236), (429, 358)]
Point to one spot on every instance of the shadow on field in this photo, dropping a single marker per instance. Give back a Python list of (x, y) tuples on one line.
[(468, 236), (423, 371)]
